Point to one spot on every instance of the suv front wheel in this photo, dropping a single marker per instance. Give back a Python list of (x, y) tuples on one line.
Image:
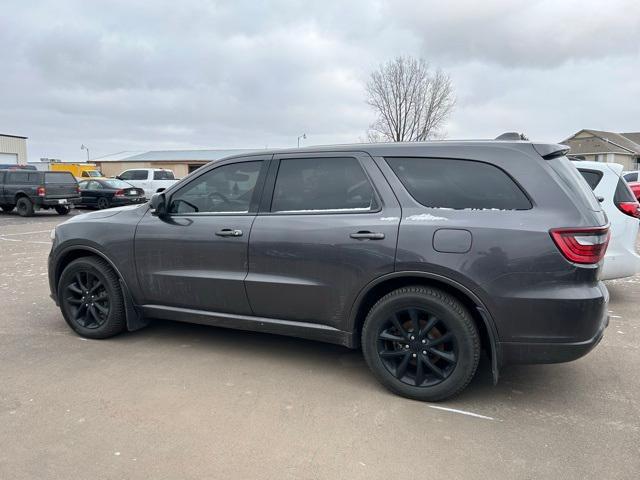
[(91, 299), (421, 343)]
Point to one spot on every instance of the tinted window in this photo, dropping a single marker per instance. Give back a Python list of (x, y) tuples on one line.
[(313, 184), (447, 183), (134, 175), (18, 177), (631, 177), (59, 178), (225, 189), (163, 175), (592, 177), (623, 192), (573, 183)]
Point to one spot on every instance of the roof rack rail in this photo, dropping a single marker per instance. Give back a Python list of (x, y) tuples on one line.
[(512, 136)]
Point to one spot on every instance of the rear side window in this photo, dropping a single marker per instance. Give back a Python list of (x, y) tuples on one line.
[(59, 178), (576, 186), (631, 177), (18, 177), (134, 175), (322, 184), (449, 183), (623, 193), (592, 177), (163, 175)]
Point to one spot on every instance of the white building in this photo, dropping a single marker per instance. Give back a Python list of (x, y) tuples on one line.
[(13, 150)]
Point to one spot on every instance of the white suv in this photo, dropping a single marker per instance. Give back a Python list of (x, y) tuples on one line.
[(623, 211), (151, 180)]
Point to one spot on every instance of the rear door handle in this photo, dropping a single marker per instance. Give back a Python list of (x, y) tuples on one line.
[(229, 232), (366, 235)]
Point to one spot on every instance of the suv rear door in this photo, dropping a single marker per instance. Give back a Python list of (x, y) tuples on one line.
[(327, 226)]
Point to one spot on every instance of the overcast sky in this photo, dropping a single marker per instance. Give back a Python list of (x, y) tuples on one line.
[(126, 75)]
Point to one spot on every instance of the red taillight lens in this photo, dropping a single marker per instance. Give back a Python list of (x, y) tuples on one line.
[(78, 189), (120, 193), (41, 191), (581, 245), (629, 208)]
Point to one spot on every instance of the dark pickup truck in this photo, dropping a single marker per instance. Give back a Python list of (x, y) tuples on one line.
[(29, 191)]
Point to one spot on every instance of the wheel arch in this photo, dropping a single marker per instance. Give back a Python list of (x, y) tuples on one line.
[(134, 317), (387, 283)]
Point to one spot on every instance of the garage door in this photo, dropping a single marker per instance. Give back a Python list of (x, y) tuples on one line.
[(9, 158)]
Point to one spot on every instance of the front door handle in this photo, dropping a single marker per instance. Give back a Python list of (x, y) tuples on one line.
[(229, 232), (366, 235)]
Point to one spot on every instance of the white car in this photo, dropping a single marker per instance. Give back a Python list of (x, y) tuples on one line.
[(151, 180), (623, 211)]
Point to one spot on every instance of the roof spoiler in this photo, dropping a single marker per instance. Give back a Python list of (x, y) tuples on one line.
[(550, 150)]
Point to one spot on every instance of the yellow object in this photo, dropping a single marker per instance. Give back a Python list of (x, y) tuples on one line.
[(78, 170)]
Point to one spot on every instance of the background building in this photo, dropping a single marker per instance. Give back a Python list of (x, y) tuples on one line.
[(182, 162), (600, 146), (13, 149)]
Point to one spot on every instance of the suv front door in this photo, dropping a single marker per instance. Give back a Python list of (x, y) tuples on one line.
[(327, 226), (196, 257)]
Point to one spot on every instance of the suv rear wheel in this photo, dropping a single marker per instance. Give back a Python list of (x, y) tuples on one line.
[(91, 298), (25, 207), (421, 343)]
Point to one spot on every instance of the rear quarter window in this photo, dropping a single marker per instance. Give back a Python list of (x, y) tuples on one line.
[(592, 177), (623, 192), (458, 184)]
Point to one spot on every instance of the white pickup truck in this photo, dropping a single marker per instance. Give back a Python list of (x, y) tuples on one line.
[(149, 179)]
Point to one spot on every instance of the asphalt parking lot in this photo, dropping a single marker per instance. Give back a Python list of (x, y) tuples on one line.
[(178, 401)]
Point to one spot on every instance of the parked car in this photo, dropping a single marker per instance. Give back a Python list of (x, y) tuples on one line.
[(635, 189), (622, 209), (422, 253), (29, 191), (151, 180), (109, 192), (631, 176)]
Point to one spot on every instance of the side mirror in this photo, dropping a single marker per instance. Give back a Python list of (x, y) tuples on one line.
[(118, 177), (161, 189), (159, 205)]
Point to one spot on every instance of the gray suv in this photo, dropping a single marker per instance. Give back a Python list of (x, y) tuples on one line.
[(421, 254)]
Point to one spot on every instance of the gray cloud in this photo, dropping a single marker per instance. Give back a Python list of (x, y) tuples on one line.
[(160, 74)]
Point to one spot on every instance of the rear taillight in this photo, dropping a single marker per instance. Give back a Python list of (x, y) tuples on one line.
[(41, 191), (119, 193), (629, 208), (581, 245), (77, 188)]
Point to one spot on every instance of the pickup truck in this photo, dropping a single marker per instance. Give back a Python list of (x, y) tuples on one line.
[(29, 191), (151, 180)]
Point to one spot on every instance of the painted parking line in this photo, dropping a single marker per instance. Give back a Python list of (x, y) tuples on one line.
[(463, 412)]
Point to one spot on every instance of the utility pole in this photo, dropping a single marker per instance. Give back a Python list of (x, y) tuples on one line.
[(303, 136), (84, 147)]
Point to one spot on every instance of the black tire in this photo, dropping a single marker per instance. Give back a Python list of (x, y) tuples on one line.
[(79, 294), (7, 208), (103, 203), (25, 207), (442, 358), (63, 210)]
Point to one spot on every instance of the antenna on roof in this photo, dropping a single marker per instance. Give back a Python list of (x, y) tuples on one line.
[(512, 136)]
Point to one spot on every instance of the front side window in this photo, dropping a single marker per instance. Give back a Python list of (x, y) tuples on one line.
[(226, 189), (458, 184), (322, 184)]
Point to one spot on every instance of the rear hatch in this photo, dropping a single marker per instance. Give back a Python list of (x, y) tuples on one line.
[(60, 185)]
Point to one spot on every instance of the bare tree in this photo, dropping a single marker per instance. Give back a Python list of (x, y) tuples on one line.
[(412, 101)]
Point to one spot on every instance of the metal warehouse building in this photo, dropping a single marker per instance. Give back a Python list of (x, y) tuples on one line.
[(13, 149), (182, 162)]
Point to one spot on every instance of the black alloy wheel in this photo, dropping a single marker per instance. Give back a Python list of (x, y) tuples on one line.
[(421, 342), (87, 299), (103, 203), (91, 298), (417, 347)]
